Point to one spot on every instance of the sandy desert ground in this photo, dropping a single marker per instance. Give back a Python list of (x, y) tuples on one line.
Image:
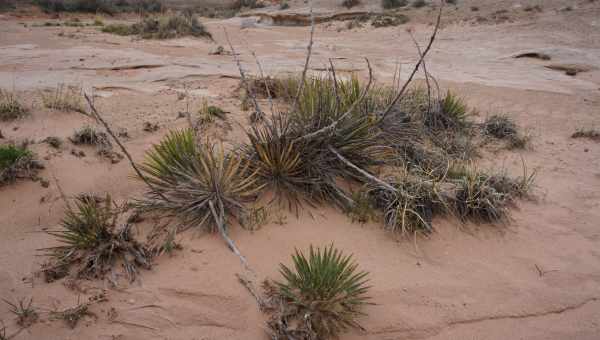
[(536, 278)]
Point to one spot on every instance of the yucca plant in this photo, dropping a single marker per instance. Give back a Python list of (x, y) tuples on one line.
[(283, 164), (321, 296), (200, 183), (10, 107), (92, 241)]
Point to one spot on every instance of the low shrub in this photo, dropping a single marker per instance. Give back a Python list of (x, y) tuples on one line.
[(350, 3), (100, 6)]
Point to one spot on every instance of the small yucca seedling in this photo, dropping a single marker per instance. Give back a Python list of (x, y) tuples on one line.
[(24, 311), (321, 296), (93, 241), (64, 98), (199, 183), (10, 107)]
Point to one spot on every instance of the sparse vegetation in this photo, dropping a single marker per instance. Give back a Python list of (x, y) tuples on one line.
[(385, 20), (10, 106), (64, 98), (419, 3), (350, 3), (320, 297), (592, 134), (100, 6), (503, 127), (24, 311), (17, 162), (54, 142), (165, 27), (390, 4), (93, 240), (72, 316), (209, 113)]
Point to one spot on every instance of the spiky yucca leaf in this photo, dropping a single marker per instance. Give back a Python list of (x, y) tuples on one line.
[(199, 183), (321, 296)]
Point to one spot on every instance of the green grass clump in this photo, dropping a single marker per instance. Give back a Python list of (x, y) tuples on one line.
[(17, 162), (10, 107), (210, 113), (320, 297), (93, 242), (165, 27), (199, 183)]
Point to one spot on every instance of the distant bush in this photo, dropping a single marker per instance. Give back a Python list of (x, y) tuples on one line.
[(103, 6), (389, 4), (7, 4), (166, 27), (350, 3), (10, 106), (419, 3)]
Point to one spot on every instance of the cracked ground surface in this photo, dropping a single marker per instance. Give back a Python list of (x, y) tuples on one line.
[(536, 278)]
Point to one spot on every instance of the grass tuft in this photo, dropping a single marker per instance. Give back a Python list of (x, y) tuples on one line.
[(10, 107), (587, 133), (320, 297), (64, 98), (88, 135)]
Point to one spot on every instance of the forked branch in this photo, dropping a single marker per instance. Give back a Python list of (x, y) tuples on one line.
[(308, 55), (412, 75)]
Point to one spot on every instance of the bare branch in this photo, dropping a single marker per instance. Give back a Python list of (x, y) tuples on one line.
[(223, 232), (243, 76), (424, 71), (333, 125), (410, 78), (361, 171), (335, 86), (99, 118), (265, 80), (308, 55)]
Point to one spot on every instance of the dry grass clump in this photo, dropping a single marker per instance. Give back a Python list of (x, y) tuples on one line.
[(64, 98), (93, 240), (413, 203), (350, 3), (10, 106), (320, 297), (202, 184), (503, 127), (587, 133), (165, 27), (24, 311), (17, 162), (210, 113), (88, 135), (478, 199), (72, 316), (386, 20)]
